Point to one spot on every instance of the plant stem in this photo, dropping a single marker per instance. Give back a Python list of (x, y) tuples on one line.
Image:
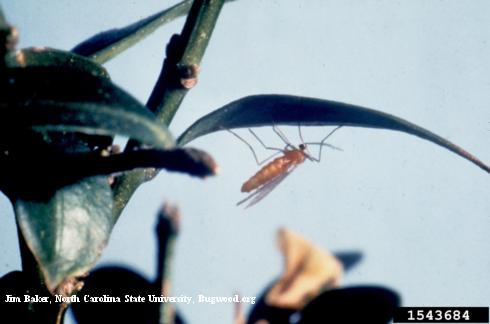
[(184, 50), (167, 231)]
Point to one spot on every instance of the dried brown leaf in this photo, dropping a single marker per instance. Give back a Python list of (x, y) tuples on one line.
[(308, 270)]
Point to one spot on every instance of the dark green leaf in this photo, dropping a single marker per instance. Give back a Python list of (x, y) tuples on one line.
[(106, 45), (37, 176), (51, 99), (373, 304), (18, 284), (376, 305), (67, 233), (15, 283), (45, 57), (118, 282), (192, 161), (349, 259), (266, 110), (35, 57)]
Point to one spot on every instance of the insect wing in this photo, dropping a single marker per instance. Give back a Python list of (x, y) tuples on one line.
[(261, 192)]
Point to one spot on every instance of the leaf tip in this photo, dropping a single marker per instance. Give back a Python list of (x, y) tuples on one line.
[(198, 163)]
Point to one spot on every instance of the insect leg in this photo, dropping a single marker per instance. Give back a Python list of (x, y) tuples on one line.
[(300, 134), (263, 144), (322, 144), (246, 143), (251, 148), (278, 150), (282, 136)]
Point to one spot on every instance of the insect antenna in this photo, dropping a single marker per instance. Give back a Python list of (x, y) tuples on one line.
[(333, 147)]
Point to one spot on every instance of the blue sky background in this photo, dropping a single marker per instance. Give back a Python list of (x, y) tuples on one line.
[(419, 213)]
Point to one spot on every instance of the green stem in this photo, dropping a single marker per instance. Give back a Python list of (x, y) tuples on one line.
[(184, 50), (167, 231)]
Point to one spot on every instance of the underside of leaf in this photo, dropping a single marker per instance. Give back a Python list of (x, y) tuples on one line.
[(67, 233), (268, 110)]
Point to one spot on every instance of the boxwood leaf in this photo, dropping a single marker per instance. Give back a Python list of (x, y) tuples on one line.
[(35, 56), (67, 232), (37, 176), (53, 99), (106, 45), (117, 281), (373, 304), (38, 57), (349, 259), (376, 305), (15, 283), (266, 110)]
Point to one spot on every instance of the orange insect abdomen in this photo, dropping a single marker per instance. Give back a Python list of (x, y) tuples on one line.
[(273, 169)]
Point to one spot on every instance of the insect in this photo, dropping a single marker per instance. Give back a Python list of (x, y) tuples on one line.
[(274, 172)]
